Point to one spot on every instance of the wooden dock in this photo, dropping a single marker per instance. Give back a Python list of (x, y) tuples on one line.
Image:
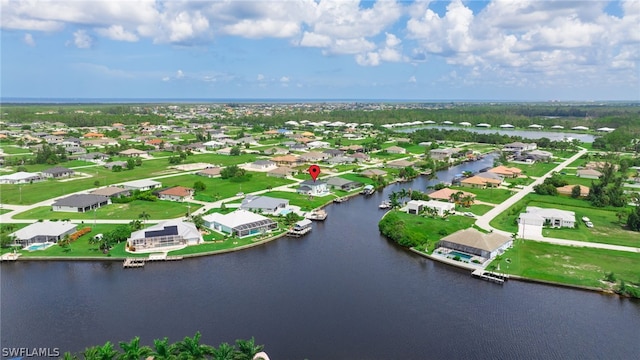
[(132, 263), (490, 276)]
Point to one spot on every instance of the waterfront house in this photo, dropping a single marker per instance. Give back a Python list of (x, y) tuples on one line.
[(80, 203), (552, 217), (45, 231), (264, 204), (472, 241), (447, 194), (57, 172), (176, 193), (141, 185), (399, 164), (21, 177), (240, 223), (315, 188), (443, 154), (166, 233), (373, 173), (441, 208), (505, 171), (343, 184), (479, 182)]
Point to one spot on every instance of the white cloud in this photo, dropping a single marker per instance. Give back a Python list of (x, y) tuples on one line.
[(29, 40), (179, 74), (412, 80), (260, 77), (82, 40), (262, 28), (117, 32), (284, 79)]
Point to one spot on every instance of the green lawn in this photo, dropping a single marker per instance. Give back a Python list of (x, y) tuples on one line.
[(565, 154), (478, 209), (12, 150), (490, 195), (537, 169), (229, 243), (156, 209), (387, 156), (355, 177), (222, 160), (305, 203), (606, 227), (568, 265), (218, 188)]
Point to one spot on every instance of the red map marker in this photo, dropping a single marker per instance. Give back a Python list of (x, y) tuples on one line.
[(314, 171)]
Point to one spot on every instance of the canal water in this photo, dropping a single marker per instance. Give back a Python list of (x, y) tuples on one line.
[(341, 292), (525, 134)]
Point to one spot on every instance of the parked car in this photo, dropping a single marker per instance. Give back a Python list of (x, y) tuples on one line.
[(589, 224), (469, 214), (585, 219)]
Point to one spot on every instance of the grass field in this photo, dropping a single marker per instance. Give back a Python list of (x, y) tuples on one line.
[(492, 196), (14, 150), (478, 209), (305, 203), (156, 209), (568, 265), (607, 229), (537, 169), (218, 188), (355, 177), (227, 244)]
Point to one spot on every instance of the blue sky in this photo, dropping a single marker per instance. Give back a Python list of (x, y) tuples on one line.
[(417, 50)]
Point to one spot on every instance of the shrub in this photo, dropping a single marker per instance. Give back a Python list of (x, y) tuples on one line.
[(77, 234)]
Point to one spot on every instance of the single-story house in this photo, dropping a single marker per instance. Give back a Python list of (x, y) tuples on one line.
[(373, 173), (568, 190), (210, 172), (312, 156), (282, 172), (508, 172), (264, 204), (213, 144), (132, 153), (447, 194), (113, 164), (111, 191), (276, 151), (474, 242), (337, 160), (57, 172), (343, 184), (263, 165), (399, 164), (80, 203), (141, 185), (519, 146), (176, 193), (396, 150), (240, 223), (479, 182), (417, 206), (166, 233), (310, 187), (588, 173), (317, 144), (21, 177), (333, 152), (553, 217), (287, 160), (94, 157), (443, 154), (45, 231)]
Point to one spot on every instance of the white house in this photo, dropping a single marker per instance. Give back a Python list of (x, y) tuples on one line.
[(142, 185), (166, 233), (240, 222), (263, 165), (20, 177), (264, 204), (417, 206), (45, 231), (316, 188), (554, 217), (519, 146)]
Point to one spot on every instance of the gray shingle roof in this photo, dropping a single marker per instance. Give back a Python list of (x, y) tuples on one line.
[(80, 200)]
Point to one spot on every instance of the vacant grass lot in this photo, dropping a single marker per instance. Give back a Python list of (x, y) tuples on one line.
[(355, 177), (492, 196), (607, 229), (13, 150), (569, 265), (537, 169), (305, 203), (160, 209), (478, 209), (218, 188)]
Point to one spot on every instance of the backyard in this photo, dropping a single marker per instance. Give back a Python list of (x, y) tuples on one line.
[(305, 202), (536, 169), (567, 264), (490, 195)]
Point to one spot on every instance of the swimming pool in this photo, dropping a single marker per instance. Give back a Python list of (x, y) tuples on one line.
[(38, 246), (461, 255), (285, 211)]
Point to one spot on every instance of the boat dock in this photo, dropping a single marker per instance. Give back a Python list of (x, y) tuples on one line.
[(490, 276), (132, 263), (298, 233)]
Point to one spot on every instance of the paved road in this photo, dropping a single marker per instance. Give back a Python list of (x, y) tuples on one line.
[(484, 220)]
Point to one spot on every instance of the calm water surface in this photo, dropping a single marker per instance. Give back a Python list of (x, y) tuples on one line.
[(525, 134), (342, 292)]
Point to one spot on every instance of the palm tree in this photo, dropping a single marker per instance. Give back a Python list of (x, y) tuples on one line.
[(105, 352), (69, 356), (133, 350), (224, 352), (403, 193), (247, 349), (145, 216), (190, 348), (135, 225), (162, 350), (456, 197), (393, 200), (467, 200)]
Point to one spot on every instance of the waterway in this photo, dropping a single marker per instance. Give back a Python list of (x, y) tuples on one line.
[(341, 292), (525, 134)]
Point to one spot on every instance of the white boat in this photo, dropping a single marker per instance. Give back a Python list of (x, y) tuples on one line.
[(317, 215), (384, 205)]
